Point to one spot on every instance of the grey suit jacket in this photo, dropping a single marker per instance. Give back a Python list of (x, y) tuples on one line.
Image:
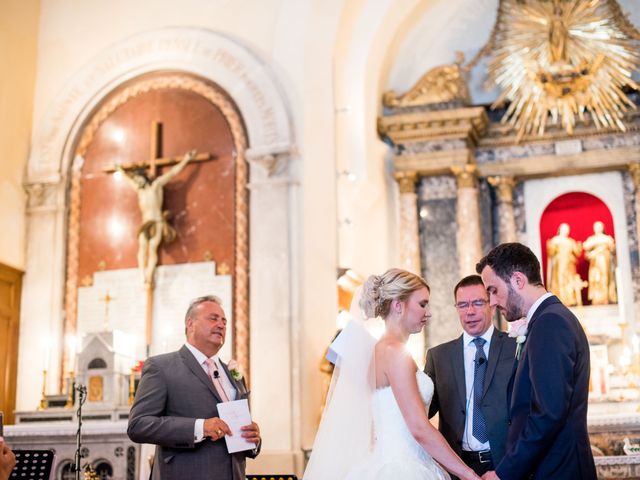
[(174, 391), (445, 366)]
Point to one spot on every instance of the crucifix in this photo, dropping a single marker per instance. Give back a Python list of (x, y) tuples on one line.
[(149, 185), (107, 299)]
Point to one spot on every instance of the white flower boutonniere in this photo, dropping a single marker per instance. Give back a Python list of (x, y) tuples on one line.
[(518, 330), (234, 370)]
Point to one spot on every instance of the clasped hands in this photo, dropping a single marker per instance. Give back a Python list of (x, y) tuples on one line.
[(491, 475), (7, 460), (215, 428)]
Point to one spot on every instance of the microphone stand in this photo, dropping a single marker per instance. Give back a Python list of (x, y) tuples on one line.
[(82, 397)]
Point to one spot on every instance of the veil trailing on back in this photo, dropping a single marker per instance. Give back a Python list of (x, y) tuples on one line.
[(345, 434)]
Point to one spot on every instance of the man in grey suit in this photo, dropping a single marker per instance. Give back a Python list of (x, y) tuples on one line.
[(470, 375), (175, 406)]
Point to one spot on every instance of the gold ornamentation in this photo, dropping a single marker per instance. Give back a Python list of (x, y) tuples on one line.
[(223, 269), (445, 83), (504, 187), (634, 170), (406, 181), (562, 58), (96, 389), (466, 176)]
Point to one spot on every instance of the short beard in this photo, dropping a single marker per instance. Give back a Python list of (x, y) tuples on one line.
[(514, 309)]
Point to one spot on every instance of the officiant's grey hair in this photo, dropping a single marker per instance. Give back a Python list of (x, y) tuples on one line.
[(194, 304)]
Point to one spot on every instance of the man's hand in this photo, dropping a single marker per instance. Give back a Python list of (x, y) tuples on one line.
[(251, 433), (7, 460), (490, 476), (215, 428)]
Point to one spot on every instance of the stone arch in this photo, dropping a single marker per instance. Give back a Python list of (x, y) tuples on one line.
[(210, 55)]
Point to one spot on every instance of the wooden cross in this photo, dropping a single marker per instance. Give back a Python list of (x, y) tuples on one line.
[(157, 161)]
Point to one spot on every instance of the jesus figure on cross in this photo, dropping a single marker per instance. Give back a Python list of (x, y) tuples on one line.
[(155, 225)]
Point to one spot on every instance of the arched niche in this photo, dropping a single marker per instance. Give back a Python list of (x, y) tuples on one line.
[(579, 210), (608, 188)]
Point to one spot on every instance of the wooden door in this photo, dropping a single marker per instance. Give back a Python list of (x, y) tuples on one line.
[(10, 289)]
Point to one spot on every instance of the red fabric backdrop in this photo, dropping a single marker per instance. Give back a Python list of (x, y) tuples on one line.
[(580, 210)]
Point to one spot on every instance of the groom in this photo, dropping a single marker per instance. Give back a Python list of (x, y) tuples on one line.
[(548, 390)]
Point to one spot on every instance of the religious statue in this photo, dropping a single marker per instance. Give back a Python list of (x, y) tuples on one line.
[(155, 225), (600, 249), (562, 255)]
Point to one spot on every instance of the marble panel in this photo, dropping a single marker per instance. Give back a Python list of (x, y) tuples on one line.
[(489, 227), (632, 232), (431, 146), (519, 212), (607, 142), (503, 154), (439, 256)]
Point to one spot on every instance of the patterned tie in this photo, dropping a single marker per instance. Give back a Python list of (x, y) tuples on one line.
[(479, 422), (215, 378)]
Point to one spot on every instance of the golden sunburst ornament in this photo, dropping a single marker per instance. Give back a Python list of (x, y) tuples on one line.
[(557, 59)]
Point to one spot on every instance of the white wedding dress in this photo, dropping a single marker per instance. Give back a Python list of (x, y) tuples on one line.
[(396, 455)]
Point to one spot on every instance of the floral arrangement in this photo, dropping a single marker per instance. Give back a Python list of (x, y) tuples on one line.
[(518, 330)]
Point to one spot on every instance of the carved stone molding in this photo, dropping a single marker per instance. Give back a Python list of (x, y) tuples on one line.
[(198, 51), (42, 195), (461, 123), (271, 159)]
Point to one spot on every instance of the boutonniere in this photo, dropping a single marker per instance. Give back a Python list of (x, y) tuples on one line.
[(234, 370), (518, 330)]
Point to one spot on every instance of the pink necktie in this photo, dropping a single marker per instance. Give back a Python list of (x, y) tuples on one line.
[(215, 378)]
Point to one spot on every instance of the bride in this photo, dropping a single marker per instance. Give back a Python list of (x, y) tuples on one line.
[(375, 423)]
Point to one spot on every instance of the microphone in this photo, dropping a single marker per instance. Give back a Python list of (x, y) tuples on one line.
[(480, 361), (216, 374)]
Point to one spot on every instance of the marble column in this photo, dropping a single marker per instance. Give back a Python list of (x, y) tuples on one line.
[(506, 218), (409, 231), (634, 170), (41, 316), (272, 319), (469, 235)]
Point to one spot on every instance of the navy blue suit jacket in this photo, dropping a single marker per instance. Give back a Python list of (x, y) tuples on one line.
[(547, 437)]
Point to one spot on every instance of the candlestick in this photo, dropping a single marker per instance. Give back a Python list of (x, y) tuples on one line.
[(43, 400), (70, 389), (132, 386)]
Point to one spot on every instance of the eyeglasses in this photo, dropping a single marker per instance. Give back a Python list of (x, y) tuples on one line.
[(479, 303)]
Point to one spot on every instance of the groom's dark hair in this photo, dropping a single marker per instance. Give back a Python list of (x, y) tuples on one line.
[(507, 258)]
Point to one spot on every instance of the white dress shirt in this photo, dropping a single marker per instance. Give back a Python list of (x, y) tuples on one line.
[(469, 442)]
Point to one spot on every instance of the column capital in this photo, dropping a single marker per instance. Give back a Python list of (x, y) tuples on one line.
[(634, 170), (504, 185), (407, 181), (272, 158), (466, 176)]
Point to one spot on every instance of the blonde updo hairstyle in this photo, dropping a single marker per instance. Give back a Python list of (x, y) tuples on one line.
[(380, 290)]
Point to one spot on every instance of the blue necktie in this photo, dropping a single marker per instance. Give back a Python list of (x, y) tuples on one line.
[(479, 423)]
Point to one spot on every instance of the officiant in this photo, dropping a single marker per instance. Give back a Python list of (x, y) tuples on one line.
[(176, 404)]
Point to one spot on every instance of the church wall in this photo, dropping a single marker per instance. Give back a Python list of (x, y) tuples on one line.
[(19, 30)]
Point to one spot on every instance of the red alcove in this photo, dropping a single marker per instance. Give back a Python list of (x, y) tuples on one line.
[(580, 210)]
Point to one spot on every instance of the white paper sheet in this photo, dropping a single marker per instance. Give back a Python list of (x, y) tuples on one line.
[(236, 414)]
